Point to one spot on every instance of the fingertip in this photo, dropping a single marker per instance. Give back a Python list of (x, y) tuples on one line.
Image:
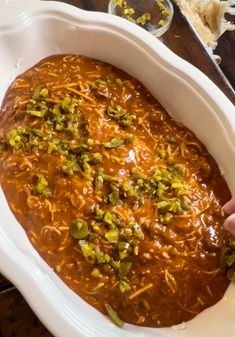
[(229, 207), (229, 224)]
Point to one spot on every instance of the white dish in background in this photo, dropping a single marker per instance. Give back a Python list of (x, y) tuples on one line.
[(31, 30)]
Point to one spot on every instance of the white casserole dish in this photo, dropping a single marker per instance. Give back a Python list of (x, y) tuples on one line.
[(31, 30)]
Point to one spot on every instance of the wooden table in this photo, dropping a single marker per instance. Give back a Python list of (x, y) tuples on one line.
[(16, 318)]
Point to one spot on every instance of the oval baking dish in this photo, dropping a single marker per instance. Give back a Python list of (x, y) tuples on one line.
[(32, 30)]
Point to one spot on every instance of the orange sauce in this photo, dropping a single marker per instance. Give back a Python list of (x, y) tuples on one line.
[(174, 272)]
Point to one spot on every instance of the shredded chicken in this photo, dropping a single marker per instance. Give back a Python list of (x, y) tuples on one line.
[(208, 18)]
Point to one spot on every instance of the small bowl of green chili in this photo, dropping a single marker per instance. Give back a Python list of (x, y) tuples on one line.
[(155, 16)]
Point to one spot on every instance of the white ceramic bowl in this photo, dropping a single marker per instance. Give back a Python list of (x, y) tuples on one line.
[(31, 30)]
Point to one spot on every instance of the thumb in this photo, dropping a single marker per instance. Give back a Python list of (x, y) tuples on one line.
[(229, 207), (229, 224)]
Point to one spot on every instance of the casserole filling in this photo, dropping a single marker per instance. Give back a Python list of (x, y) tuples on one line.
[(123, 202)]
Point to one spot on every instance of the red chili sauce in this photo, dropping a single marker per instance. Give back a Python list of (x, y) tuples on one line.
[(123, 202)]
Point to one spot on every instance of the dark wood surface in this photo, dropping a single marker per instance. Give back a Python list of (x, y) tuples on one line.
[(16, 318), (226, 49)]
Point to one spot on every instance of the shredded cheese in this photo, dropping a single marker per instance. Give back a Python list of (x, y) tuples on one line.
[(208, 18)]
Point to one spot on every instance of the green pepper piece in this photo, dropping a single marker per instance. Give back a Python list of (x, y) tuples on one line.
[(66, 104), (124, 269), (117, 113), (123, 246), (99, 214), (170, 139), (161, 188), (101, 82), (123, 254), (231, 274), (176, 207), (111, 219), (138, 233), (121, 3), (44, 92), (124, 249), (115, 264), (114, 143), (40, 93), (161, 153), (70, 166), (119, 82), (38, 133), (79, 229), (107, 177), (36, 94), (166, 218), (41, 186), (230, 260), (96, 158), (124, 286), (129, 138), (179, 169), (129, 11), (96, 273), (114, 197), (121, 115), (184, 204), (179, 190), (92, 253), (113, 315), (138, 175), (163, 205), (112, 235), (99, 181), (126, 120), (224, 252), (126, 233), (14, 138), (88, 251), (143, 19), (37, 113)]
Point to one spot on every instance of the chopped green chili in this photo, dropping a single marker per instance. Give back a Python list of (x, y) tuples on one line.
[(70, 166), (227, 260), (112, 235), (114, 143), (111, 219), (121, 115), (114, 198), (114, 316), (124, 286), (124, 269), (41, 186), (143, 19), (79, 229), (96, 273), (92, 253), (119, 82)]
